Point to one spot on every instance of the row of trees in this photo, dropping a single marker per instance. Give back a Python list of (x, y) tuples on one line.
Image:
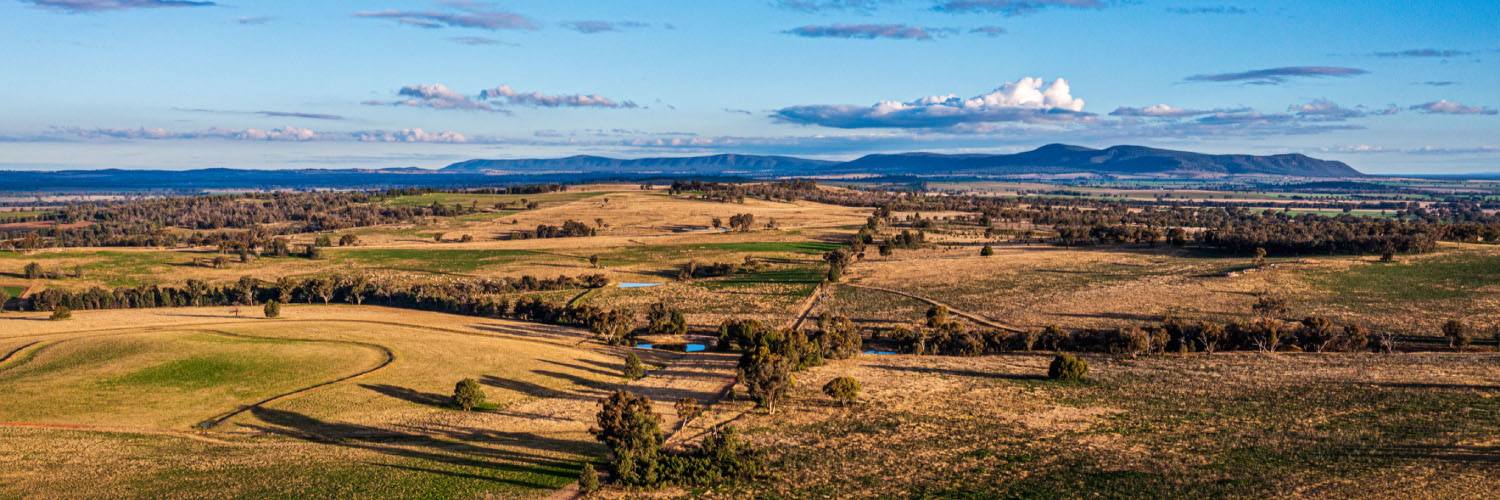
[(145, 222), (942, 334)]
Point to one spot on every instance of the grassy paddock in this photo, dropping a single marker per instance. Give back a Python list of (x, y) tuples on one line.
[(1225, 426)]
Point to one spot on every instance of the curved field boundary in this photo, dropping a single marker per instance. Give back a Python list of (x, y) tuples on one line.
[(390, 357), (971, 317), (5, 361)]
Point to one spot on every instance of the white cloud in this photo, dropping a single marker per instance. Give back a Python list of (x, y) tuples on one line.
[(1447, 107), (1027, 100), (1157, 111)]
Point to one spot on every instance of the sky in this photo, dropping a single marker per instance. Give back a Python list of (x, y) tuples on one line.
[(1390, 87)]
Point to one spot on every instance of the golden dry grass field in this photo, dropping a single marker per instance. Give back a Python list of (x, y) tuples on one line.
[(1230, 425), (182, 404)]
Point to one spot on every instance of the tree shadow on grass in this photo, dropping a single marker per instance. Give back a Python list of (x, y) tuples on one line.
[(537, 390), (409, 395), (486, 451), (962, 373)]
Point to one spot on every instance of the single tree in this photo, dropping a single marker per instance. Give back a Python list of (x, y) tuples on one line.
[(633, 367), (467, 394), (844, 390), (629, 427), (1457, 333), (273, 309), (33, 271), (987, 251), (1260, 257), (61, 313), (594, 261), (767, 376), (348, 240)]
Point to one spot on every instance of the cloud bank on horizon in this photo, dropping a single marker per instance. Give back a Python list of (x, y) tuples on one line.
[(824, 77)]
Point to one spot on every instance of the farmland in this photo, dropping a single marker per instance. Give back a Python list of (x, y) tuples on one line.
[(348, 392)]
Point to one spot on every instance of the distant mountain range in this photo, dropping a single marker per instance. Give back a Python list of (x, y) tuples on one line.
[(1047, 161), (1053, 161)]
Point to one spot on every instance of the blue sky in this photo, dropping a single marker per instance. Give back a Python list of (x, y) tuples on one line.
[(1390, 87)]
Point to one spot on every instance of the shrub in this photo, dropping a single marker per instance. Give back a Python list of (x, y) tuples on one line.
[(841, 338), (687, 410), (1210, 336), (1457, 333), (844, 390), (33, 271), (633, 368), (665, 320), (987, 251), (1067, 367), (1054, 338), (1355, 338), (273, 309), (588, 479), (1317, 334), (61, 313), (467, 394)]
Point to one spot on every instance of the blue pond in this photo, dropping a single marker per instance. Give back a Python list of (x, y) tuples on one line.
[(638, 285), (881, 352), (673, 347)]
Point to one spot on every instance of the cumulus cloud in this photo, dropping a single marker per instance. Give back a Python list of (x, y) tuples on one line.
[(510, 96), (469, 15), (1157, 111), (1275, 76), (866, 31), (1424, 53), (1447, 107), (77, 6), (1012, 7), (591, 27), (1217, 9), (1027, 100), (439, 96)]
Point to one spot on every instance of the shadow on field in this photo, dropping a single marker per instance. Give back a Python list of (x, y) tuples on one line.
[(1452, 453), (1147, 318), (530, 330), (408, 395), (607, 371), (536, 390), (1418, 385), (510, 453), (961, 373)]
